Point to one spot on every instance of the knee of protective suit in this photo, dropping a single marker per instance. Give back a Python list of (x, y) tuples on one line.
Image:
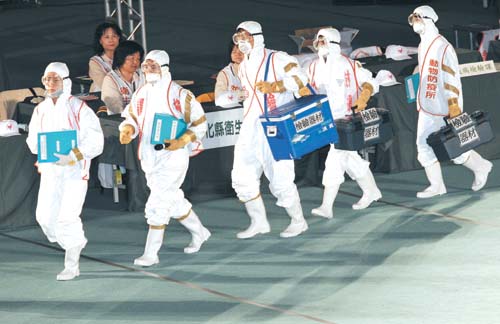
[(426, 156), (461, 159), (357, 168), (246, 188), (286, 195)]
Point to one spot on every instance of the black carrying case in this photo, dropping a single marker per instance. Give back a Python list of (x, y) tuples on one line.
[(450, 141), (354, 132)]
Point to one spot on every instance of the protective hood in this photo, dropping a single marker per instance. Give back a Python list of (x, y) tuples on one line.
[(429, 19), (332, 38), (63, 72), (163, 60), (255, 29)]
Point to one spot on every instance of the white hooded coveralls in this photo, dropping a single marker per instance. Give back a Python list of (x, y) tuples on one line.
[(341, 78), (63, 188), (165, 170), (252, 154), (439, 82)]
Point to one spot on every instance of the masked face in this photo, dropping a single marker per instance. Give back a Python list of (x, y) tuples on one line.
[(419, 27), (323, 51), (153, 77), (245, 47), (53, 84)]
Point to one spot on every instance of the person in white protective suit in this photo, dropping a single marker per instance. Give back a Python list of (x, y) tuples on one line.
[(347, 84), (228, 92), (252, 154), (439, 95), (63, 184), (165, 169)]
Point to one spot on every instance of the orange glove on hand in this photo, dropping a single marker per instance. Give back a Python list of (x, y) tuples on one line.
[(454, 110), (363, 98), (126, 134), (179, 143), (304, 92), (269, 87)]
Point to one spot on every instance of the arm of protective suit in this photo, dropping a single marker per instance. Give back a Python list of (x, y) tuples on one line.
[(111, 95), (96, 73), (225, 97), (452, 83), (34, 129), (90, 135), (194, 116), (288, 72), (369, 86)]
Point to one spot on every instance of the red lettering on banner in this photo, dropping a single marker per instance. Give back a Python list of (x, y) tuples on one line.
[(430, 95), (431, 86), (271, 101), (177, 105), (434, 63), (432, 79), (433, 71), (347, 78), (140, 105), (349, 101)]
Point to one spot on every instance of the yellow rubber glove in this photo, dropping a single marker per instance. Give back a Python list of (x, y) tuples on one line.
[(269, 87), (454, 110), (363, 98), (126, 134), (304, 92), (179, 143)]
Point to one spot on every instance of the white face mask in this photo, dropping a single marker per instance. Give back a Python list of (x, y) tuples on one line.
[(419, 28), (55, 94), (323, 51), (152, 77), (245, 47)]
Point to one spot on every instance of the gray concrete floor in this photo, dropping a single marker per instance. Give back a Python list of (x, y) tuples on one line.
[(403, 260)]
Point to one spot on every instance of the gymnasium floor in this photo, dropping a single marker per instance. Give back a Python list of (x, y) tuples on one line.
[(402, 260)]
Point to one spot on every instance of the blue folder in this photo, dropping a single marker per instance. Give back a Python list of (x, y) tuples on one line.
[(411, 85), (61, 142), (166, 126)]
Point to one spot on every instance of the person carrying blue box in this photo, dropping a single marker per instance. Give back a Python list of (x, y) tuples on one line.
[(165, 166), (63, 183), (252, 154), (347, 84)]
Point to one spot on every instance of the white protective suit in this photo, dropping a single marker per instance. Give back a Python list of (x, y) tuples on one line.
[(63, 187), (228, 88), (440, 89), (165, 170), (252, 154), (341, 79)]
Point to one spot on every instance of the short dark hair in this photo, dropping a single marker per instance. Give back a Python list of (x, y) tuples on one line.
[(230, 50), (125, 49), (99, 31)]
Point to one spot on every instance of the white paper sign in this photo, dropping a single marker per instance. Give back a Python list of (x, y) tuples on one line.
[(477, 68), (223, 128)]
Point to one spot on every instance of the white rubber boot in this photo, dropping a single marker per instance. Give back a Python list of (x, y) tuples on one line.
[(371, 192), (435, 177), (154, 242), (199, 234), (481, 168), (71, 263), (298, 224), (326, 208), (258, 219)]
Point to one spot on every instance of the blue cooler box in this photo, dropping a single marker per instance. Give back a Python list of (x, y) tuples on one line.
[(299, 127)]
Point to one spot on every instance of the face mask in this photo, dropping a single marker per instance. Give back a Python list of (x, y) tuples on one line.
[(152, 77), (323, 51), (244, 47), (55, 94), (419, 27)]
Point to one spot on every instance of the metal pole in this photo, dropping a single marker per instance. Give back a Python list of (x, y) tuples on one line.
[(119, 13), (143, 25)]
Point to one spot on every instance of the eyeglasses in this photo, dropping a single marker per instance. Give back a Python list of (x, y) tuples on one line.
[(414, 17), (322, 41), (51, 79), (150, 68), (243, 36)]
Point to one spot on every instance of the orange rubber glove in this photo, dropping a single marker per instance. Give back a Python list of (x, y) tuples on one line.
[(126, 134), (269, 87), (363, 98)]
